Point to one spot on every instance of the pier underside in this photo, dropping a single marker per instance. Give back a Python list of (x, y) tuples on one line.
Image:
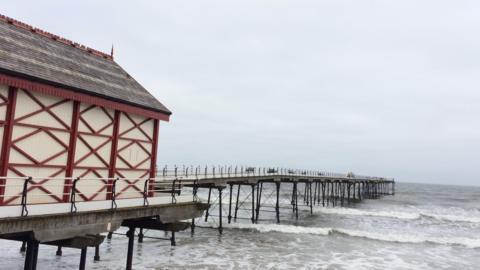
[(65, 226)]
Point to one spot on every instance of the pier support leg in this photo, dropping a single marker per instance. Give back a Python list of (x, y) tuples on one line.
[(109, 235), (131, 241), (83, 258), (359, 198), (253, 204), (230, 204), (36, 246), (259, 200), (59, 251), (296, 199), (315, 198), (277, 204), (311, 198), (96, 257), (349, 186), (192, 227), (173, 242), (236, 202), (305, 192), (342, 193), (220, 217), (293, 197), (328, 192), (31, 255), (140, 236), (323, 193), (332, 196), (23, 248), (208, 202)]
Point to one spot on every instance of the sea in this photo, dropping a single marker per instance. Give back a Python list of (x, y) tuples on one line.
[(421, 227)]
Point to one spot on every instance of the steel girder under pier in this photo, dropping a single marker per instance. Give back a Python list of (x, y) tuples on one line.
[(254, 196)]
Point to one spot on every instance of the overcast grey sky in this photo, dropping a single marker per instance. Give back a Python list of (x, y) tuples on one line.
[(388, 88)]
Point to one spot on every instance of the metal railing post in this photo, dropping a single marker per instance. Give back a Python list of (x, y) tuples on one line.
[(145, 192), (174, 200), (24, 196), (114, 195), (73, 191)]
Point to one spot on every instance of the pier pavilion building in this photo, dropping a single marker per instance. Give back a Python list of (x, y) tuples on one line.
[(70, 111)]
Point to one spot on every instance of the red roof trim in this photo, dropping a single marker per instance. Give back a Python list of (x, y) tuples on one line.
[(54, 37), (65, 93)]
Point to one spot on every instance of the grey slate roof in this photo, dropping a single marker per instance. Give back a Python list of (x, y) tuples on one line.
[(27, 53)]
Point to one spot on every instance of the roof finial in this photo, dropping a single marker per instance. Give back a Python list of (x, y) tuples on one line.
[(111, 52)]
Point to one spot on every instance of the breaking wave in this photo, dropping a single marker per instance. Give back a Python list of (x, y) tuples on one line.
[(387, 237), (398, 215)]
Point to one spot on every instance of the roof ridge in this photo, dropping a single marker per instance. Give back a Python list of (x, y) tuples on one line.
[(55, 37)]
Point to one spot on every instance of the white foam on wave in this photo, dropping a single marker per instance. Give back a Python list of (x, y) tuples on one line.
[(411, 238), (452, 218), (387, 237), (398, 214), (358, 212), (281, 228)]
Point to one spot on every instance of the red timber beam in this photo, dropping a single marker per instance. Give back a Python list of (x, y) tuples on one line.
[(113, 153), (71, 151), (153, 160), (84, 98), (7, 138)]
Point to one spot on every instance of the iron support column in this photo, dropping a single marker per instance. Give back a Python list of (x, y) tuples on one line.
[(96, 258), (131, 241), (259, 199), (253, 203), (83, 259), (220, 218), (277, 205), (230, 205), (208, 202), (236, 202)]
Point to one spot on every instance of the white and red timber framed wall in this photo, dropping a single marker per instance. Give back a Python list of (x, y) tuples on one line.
[(50, 133)]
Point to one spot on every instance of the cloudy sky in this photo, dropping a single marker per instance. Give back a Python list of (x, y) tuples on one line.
[(387, 88)]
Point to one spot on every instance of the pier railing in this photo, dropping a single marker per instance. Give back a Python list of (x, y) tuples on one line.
[(71, 194), (219, 172), (112, 193)]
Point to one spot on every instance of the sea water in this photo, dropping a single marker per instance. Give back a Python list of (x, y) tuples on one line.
[(421, 227)]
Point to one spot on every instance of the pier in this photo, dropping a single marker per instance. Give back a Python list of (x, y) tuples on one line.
[(78, 158), (170, 199), (258, 190)]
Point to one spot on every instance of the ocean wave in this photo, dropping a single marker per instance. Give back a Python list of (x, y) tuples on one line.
[(358, 212), (410, 238), (281, 228), (398, 214), (386, 237), (452, 218)]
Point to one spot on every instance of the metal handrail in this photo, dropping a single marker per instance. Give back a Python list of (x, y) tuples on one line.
[(177, 177)]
